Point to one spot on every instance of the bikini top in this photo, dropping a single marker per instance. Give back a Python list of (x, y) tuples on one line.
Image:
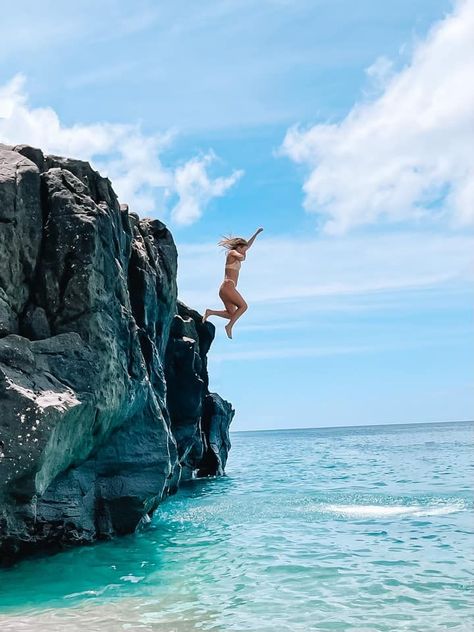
[(234, 266)]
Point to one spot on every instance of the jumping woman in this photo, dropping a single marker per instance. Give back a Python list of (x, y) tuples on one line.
[(233, 301)]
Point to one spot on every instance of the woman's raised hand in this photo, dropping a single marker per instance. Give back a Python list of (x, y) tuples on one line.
[(252, 239)]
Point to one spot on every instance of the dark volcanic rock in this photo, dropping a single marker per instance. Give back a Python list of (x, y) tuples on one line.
[(104, 400), (199, 419)]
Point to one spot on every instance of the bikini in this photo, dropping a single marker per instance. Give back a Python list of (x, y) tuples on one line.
[(232, 266)]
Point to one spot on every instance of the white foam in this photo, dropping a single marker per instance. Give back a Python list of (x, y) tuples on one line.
[(132, 579), (389, 511)]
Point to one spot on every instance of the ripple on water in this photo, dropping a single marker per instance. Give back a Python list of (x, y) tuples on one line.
[(311, 530)]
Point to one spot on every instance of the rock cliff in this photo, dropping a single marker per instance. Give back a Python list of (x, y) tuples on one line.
[(104, 399)]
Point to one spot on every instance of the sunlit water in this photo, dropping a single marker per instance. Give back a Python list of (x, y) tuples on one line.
[(343, 529)]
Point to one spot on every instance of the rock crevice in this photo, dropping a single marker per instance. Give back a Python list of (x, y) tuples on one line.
[(104, 399)]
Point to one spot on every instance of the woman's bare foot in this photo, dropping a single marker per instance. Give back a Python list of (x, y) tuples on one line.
[(228, 330), (206, 315)]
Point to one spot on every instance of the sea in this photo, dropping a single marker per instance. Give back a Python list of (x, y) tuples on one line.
[(359, 528)]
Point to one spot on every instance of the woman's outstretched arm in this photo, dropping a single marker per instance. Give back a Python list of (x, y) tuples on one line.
[(253, 238)]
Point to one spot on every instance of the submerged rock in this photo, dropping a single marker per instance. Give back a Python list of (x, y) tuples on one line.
[(104, 400)]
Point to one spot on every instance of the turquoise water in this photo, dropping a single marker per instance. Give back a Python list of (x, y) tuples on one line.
[(323, 529)]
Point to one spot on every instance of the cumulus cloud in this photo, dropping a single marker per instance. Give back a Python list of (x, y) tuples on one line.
[(131, 159), (406, 154), (195, 188)]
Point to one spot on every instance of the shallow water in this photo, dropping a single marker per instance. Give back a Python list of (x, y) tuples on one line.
[(323, 529)]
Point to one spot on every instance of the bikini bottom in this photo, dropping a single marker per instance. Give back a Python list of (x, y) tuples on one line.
[(227, 280)]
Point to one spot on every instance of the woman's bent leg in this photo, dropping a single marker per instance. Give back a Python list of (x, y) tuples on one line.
[(230, 295), (235, 316), (232, 299), (223, 313), (230, 307)]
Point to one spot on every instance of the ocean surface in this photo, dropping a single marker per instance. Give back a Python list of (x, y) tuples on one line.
[(363, 528)]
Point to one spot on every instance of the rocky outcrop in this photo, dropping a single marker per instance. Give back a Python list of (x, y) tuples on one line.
[(104, 400), (199, 420)]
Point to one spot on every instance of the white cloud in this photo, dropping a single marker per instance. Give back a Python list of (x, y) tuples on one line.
[(131, 159), (276, 352), (381, 70), (270, 353), (406, 154), (317, 297), (195, 189), (290, 274)]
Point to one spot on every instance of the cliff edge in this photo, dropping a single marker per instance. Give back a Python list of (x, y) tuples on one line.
[(104, 400)]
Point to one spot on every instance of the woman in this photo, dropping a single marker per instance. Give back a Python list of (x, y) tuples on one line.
[(233, 301)]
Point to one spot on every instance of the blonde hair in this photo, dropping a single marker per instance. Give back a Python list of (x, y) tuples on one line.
[(229, 243)]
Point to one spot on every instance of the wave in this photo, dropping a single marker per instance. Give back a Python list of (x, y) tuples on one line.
[(389, 511)]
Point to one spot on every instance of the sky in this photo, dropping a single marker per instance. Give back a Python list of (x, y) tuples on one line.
[(344, 129)]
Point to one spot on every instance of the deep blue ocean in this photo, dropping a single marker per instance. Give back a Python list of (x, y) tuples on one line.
[(361, 528)]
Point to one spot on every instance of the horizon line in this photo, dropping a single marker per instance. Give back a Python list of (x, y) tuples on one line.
[(384, 424)]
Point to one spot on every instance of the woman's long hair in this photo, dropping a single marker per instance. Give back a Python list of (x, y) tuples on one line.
[(229, 243)]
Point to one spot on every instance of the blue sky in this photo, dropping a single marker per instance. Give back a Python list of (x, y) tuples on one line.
[(344, 129)]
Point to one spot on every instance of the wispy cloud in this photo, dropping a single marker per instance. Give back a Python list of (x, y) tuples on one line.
[(290, 352), (308, 350), (406, 154), (201, 65), (327, 297), (129, 157), (33, 28), (101, 74), (283, 273)]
